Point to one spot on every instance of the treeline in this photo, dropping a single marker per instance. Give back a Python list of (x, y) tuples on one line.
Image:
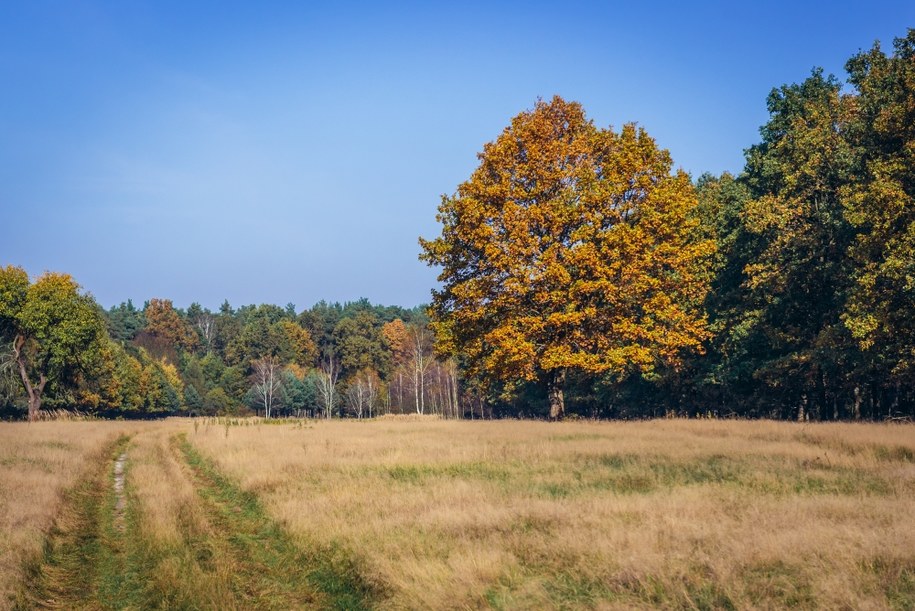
[(619, 289), (561, 289), (354, 359), (812, 300)]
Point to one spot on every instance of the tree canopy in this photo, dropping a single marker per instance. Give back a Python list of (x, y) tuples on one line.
[(569, 247), (55, 331)]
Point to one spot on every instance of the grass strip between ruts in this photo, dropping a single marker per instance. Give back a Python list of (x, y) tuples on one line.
[(268, 549)]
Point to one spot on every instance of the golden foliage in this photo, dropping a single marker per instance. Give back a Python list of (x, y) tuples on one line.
[(397, 338), (569, 247), (164, 322), (301, 347)]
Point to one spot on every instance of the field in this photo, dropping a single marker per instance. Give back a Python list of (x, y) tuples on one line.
[(418, 514)]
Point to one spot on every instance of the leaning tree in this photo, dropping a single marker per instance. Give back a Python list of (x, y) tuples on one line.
[(53, 330)]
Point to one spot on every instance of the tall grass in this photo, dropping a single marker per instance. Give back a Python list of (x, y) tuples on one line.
[(443, 514), (38, 463), (648, 514)]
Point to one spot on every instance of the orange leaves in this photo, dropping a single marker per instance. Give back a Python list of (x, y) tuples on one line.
[(396, 336), (569, 246), (164, 322)]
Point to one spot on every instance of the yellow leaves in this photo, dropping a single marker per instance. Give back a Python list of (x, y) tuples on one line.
[(566, 248), (164, 322), (86, 398), (769, 213), (301, 346), (396, 336), (14, 283), (297, 371), (862, 326), (512, 352)]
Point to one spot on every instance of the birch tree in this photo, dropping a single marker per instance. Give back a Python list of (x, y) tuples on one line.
[(327, 386), (268, 382), (419, 349)]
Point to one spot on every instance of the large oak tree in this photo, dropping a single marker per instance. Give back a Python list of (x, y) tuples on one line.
[(569, 247)]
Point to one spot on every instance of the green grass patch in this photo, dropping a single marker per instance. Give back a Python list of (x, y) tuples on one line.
[(266, 554), (645, 474), (81, 564), (896, 577), (577, 437), (842, 482), (894, 454), (418, 474), (29, 461), (568, 591), (55, 444), (778, 583)]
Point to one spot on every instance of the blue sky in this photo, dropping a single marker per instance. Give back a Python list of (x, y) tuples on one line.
[(271, 152)]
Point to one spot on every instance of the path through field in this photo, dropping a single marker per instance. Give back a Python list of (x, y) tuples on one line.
[(155, 525)]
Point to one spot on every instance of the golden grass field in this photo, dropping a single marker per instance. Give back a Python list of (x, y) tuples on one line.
[(505, 514)]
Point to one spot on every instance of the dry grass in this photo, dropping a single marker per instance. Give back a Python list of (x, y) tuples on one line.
[(38, 462), (188, 556), (439, 514), (648, 514), (158, 480)]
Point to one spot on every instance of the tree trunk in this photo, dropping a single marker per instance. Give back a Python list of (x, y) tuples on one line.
[(34, 391), (422, 392), (454, 392), (802, 409), (555, 387), (34, 406)]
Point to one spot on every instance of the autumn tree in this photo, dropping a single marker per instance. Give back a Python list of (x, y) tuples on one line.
[(296, 344), (396, 339), (165, 324), (53, 329), (569, 247)]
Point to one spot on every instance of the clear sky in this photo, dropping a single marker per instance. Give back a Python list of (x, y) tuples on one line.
[(275, 152)]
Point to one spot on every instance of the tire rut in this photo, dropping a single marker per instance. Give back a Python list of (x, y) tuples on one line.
[(81, 558), (222, 550), (273, 572), (261, 575)]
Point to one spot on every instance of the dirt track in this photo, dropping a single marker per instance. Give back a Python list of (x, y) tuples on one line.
[(226, 552)]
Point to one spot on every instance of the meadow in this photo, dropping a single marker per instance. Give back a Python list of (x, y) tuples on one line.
[(400, 513)]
